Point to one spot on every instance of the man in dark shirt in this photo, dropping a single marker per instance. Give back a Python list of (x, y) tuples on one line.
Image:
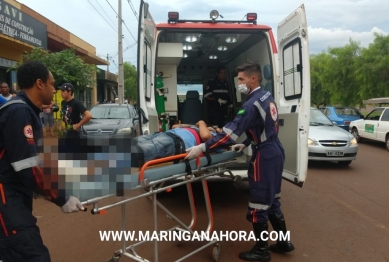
[(71, 111), (217, 97), (21, 172)]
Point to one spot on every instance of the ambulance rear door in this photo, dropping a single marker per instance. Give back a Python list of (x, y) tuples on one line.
[(146, 66), (294, 94)]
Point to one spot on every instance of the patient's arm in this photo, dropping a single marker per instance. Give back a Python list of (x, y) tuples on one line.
[(205, 134), (181, 126)]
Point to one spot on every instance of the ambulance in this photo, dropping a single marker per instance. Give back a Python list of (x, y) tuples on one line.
[(184, 52)]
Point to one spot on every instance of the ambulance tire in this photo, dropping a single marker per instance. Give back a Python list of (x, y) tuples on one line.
[(387, 142)]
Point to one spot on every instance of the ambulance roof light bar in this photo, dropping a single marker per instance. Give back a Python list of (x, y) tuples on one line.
[(173, 17)]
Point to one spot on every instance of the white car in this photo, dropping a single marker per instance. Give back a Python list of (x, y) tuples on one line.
[(374, 126), (328, 142)]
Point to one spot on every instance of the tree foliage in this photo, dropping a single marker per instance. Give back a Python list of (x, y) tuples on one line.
[(66, 67), (350, 74), (130, 81)]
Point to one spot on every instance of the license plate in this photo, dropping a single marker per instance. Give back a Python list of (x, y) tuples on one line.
[(335, 153)]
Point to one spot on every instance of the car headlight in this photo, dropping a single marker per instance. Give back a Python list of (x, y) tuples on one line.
[(311, 142), (353, 142), (126, 130)]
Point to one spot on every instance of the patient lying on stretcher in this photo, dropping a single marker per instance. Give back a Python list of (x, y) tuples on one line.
[(171, 142)]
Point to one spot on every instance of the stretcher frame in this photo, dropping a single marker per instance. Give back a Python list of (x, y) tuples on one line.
[(150, 189)]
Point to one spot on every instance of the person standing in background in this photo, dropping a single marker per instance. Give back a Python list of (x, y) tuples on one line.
[(48, 118), (5, 91), (217, 97)]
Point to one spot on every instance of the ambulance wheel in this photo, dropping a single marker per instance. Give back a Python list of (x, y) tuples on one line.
[(237, 181), (216, 252)]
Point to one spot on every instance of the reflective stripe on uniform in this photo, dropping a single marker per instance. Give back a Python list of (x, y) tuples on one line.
[(10, 102), (25, 163), (259, 206), (207, 94), (220, 91), (278, 195), (230, 133), (263, 114)]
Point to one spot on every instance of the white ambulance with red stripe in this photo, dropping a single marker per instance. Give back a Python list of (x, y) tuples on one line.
[(188, 52)]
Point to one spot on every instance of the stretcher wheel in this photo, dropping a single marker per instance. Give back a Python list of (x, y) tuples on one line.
[(216, 252), (237, 182)]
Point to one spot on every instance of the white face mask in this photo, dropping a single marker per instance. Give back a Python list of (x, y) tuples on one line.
[(243, 89)]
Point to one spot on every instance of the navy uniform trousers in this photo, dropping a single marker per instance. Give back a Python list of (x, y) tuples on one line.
[(265, 177)]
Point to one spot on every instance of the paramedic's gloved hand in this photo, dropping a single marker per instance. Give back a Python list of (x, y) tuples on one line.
[(73, 205), (238, 147), (221, 101), (195, 151)]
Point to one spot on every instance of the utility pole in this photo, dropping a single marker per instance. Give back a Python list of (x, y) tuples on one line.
[(120, 73), (108, 62)]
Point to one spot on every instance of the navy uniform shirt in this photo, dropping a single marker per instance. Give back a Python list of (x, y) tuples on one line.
[(258, 118), (216, 89), (21, 141)]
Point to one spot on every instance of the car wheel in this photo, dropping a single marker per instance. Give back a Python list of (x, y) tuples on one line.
[(344, 163), (387, 142), (355, 133)]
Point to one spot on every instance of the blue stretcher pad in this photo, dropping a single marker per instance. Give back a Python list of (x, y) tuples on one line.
[(87, 186)]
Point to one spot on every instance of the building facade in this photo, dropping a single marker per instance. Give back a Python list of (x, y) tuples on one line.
[(22, 29)]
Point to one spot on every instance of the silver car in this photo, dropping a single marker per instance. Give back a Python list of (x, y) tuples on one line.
[(328, 142)]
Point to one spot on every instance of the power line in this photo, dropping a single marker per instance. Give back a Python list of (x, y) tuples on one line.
[(133, 9), (122, 21), (105, 13), (101, 16)]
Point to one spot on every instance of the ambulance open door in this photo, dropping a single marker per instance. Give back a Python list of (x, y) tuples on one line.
[(294, 94), (146, 70)]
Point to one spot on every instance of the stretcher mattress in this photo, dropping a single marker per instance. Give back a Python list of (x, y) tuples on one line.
[(85, 186)]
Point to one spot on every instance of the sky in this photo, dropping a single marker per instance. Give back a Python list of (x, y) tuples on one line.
[(331, 23)]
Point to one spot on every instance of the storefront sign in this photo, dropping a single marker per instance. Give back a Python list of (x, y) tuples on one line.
[(21, 26), (7, 63)]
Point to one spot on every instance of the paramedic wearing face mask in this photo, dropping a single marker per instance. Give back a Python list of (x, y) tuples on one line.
[(258, 118)]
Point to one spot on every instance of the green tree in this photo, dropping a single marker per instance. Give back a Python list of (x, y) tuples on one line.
[(372, 70), (130, 81), (319, 95), (65, 66), (340, 77)]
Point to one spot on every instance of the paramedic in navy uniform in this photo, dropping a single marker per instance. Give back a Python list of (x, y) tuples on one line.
[(217, 97), (258, 118), (20, 173)]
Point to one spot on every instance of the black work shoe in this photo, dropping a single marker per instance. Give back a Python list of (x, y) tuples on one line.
[(282, 247), (256, 254)]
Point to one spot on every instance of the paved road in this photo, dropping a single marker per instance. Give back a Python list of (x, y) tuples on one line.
[(341, 214)]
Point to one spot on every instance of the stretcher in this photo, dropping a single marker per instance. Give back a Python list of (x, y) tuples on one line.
[(151, 179)]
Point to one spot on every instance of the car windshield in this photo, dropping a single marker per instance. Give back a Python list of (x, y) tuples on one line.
[(110, 112), (317, 118), (345, 111)]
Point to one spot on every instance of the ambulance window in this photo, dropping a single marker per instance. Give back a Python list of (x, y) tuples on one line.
[(292, 70), (147, 72)]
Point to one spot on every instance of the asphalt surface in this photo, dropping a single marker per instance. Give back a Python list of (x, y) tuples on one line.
[(341, 214)]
